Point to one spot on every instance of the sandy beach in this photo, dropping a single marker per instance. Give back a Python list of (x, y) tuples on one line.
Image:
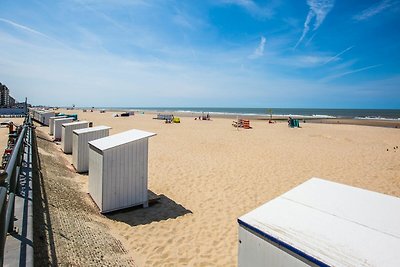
[(4, 131), (207, 174)]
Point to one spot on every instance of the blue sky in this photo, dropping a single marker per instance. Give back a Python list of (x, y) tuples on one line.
[(215, 53)]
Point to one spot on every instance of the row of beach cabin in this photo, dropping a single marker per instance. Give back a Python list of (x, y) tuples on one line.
[(117, 164), (42, 116)]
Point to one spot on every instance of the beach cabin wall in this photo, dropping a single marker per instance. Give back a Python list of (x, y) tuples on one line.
[(39, 115), (322, 223), (118, 170), (165, 116), (58, 127), (80, 145), (51, 123), (66, 134), (36, 114), (45, 116), (33, 112)]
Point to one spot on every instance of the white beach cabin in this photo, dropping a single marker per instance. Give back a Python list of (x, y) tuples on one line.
[(41, 115), (118, 170), (66, 134), (51, 123), (45, 116), (80, 145), (322, 223), (35, 113), (58, 127)]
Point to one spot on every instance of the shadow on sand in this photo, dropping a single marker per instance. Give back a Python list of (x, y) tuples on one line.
[(44, 139), (43, 239), (160, 208)]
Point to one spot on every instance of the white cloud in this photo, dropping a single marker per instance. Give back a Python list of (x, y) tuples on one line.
[(31, 31), (318, 10), (334, 58), (22, 27), (187, 21), (102, 15), (302, 61), (259, 51), (374, 10), (251, 7), (339, 75)]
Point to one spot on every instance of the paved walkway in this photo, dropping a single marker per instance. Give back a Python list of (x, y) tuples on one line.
[(68, 230), (19, 244)]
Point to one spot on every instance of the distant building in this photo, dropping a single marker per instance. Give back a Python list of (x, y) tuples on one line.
[(11, 101), (4, 96), (6, 101)]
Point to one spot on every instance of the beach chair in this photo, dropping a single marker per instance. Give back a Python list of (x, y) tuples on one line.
[(237, 124), (246, 124)]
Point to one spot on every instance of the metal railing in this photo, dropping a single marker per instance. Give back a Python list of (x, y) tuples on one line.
[(9, 188)]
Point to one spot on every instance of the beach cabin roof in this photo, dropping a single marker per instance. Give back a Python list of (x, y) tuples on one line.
[(58, 117), (91, 129), (63, 119), (332, 224), (74, 123), (120, 139)]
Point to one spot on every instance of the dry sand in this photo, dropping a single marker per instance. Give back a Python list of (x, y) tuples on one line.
[(208, 174)]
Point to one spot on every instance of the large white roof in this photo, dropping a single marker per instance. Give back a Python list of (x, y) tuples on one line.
[(120, 139), (91, 129), (335, 224), (74, 123)]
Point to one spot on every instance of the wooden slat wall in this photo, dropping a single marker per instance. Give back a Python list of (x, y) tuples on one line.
[(58, 125), (95, 177), (51, 123), (66, 135), (125, 175), (80, 148)]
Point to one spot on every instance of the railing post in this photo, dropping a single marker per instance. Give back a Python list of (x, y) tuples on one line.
[(11, 201)]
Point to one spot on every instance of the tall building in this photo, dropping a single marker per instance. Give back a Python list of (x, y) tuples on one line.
[(4, 96)]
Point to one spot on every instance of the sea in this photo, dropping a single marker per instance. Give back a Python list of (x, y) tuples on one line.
[(376, 114)]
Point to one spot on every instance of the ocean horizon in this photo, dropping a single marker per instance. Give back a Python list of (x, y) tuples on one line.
[(378, 114)]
